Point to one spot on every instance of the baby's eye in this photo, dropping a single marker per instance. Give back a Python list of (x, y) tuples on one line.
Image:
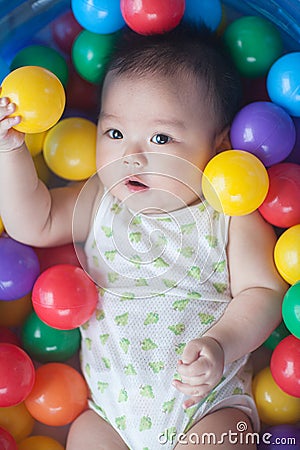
[(161, 139), (115, 134)]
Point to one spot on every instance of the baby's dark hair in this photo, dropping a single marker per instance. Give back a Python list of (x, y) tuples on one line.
[(188, 51)]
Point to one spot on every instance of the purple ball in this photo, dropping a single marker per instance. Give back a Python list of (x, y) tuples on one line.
[(280, 437), (264, 129), (19, 268), (294, 156)]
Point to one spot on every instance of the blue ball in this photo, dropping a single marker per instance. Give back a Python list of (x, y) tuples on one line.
[(283, 83), (98, 16), (208, 12)]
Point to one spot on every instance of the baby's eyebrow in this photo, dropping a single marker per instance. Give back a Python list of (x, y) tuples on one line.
[(104, 115), (175, 123)]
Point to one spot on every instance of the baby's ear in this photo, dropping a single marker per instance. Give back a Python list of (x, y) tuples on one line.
[(223, 141)]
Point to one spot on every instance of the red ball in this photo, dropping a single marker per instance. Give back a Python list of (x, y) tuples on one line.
[(9, 337), (64, 297), (285, 365), (152, 16), (281, 206), (17, 375), (61, 254), (7, 442)]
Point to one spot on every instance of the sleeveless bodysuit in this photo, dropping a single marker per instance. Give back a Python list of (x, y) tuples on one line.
[(163, 282)]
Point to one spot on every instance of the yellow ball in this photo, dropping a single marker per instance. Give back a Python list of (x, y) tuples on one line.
[(70, 148), (40, 443), (17, 421), (1, 226), (34, 142), (287, 254), (235, 182), (274, 406), (39, 97)]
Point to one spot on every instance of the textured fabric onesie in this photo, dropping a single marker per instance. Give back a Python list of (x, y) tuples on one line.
[(164, 281)]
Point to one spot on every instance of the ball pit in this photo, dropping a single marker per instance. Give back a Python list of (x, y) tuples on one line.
[(258, 58)]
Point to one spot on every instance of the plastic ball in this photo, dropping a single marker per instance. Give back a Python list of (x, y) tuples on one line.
[(34, 142), (90, 54), (254, 44), (273, 404), (4, 69), (281, 206), (152, 16), (294, 156), (59, 394), (287, 254), (70, 148), (47, 344), (7, 442), (61, 254), (291, 309), (276, 336), (16, 376), (265, 130), (280, 437), (285, 365), (208, 12), (1, 226), (19, 268), (9, 337), (33, 89), (17, 421), (81, 94), (40, 443), (14, 313), (235, 182), (42, 169), (283, 83), (46, 57), (64, 30), (98, 16), (64, 297)]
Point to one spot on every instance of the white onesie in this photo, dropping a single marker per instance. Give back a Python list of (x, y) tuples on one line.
[(164, 282)]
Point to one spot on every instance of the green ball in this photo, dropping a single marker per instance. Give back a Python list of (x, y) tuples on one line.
[(291, 309), (254, 44), (90, 54), (46, 57), (276, 336), (47, 344)]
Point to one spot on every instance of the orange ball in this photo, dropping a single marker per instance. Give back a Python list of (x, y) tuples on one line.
[(58, 396), (39, 97)]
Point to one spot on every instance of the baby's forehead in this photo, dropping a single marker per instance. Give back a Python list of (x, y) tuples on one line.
[(182, 81)]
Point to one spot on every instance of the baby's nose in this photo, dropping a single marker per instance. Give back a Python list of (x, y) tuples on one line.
[(136, 159)]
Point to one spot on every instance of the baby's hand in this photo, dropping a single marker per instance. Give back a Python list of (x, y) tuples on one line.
[(201, 369), (10, 139)]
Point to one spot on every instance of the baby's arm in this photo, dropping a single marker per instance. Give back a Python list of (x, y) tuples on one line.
[(251, 316), (30, 212)]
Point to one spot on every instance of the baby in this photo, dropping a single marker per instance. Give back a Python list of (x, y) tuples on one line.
[(186, 293)]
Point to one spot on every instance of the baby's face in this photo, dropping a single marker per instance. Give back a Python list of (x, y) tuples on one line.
[(155, 137)]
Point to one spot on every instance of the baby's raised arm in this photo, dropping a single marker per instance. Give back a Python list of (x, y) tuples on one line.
[(30, 212)]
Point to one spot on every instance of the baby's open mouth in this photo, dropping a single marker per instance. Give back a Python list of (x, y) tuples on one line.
[(135, 185)]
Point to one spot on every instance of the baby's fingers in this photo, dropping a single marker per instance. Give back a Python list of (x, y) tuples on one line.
[(6, 107), (193, 391)]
